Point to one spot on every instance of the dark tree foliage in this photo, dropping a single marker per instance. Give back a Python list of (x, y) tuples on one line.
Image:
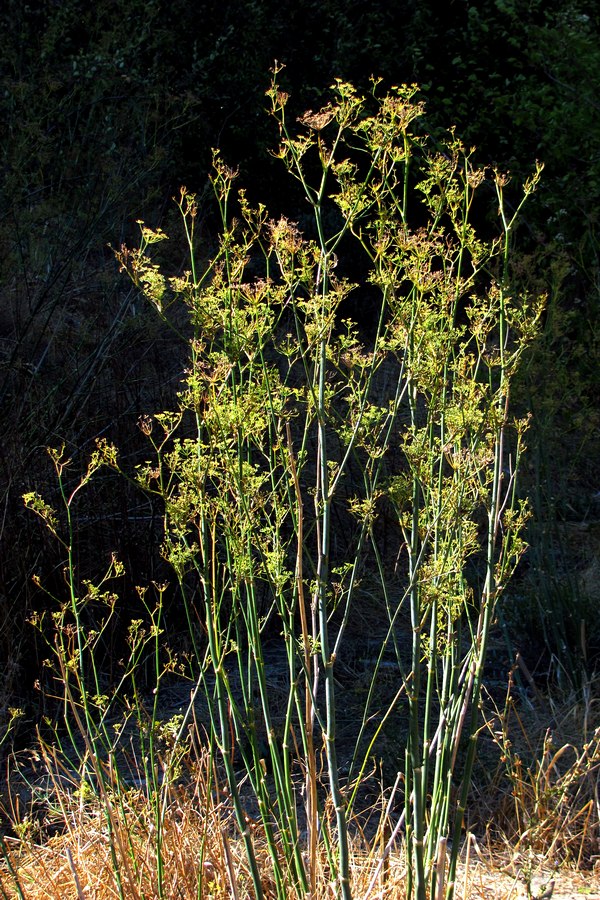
[(107, 108)]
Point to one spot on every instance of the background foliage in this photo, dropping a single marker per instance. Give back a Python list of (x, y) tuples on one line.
[(107, 110)]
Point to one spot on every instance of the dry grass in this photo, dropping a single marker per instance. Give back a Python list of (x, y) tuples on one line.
[(112, 848), (544, 797), (203, 860), (542, 810)]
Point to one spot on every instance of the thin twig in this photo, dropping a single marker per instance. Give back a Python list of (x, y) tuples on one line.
[(78, 888)]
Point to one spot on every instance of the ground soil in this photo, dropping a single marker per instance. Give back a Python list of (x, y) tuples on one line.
[(515, 881)]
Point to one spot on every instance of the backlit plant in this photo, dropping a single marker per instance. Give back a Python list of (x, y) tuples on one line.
[(298, 431)]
